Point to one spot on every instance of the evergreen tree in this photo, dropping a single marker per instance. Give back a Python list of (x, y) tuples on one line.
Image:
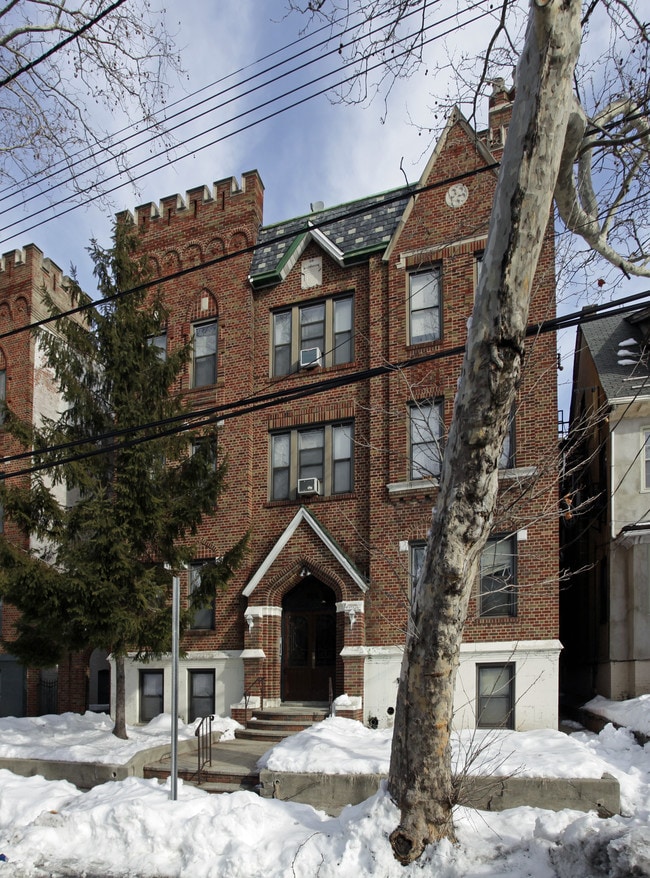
[(99, 571)]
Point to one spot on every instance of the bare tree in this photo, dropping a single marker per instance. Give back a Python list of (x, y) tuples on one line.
[(61, 65), (555, 146)]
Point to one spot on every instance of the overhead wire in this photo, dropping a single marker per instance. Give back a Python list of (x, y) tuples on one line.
[(83, 155), (90, 198), (190, 421), (26, 183), (311, 223), (74, 35)]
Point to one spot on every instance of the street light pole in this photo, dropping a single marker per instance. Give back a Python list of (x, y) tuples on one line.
[(176, 604)]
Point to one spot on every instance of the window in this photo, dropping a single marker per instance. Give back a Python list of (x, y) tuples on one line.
[(478, 268), (507, 458), (324, 325), (495, 688), (208, 446), (341, 458), (204, 354), (498, 592), (342, 352), (646, 459), (416, 560), (159, 342), (3, 394), (323, 454), (425, 438), (203, 615), (151, 695), (201, 694), (424, 305)]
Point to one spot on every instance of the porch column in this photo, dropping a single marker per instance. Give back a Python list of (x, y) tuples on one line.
[(261, 659), (351, 633)]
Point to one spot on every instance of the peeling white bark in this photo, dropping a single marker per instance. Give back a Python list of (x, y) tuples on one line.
[(574, 192), (420, 774)]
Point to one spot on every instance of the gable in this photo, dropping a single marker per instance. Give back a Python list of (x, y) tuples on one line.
[(348, 233), (305, 518), (459, 181)]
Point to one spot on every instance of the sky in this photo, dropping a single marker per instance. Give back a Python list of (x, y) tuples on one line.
[(132, 829), (320, 150)]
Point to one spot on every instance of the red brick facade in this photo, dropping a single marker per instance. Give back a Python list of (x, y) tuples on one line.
[(352, 545), (29, 390)]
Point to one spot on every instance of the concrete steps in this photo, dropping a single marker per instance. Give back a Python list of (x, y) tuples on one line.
[(233, 767), (234, 763), (275, 724)]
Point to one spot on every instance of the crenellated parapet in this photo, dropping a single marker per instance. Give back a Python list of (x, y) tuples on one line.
[(181, 232), (24, 274), (225, 202)]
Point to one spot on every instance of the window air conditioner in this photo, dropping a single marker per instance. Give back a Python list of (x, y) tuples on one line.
[(310, 358), (309, 486)]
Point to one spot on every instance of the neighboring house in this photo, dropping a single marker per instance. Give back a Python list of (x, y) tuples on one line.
[(337, 486), (28, 388), (606, 533)]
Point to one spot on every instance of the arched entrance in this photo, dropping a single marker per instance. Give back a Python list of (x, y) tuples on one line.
[(308, 641)]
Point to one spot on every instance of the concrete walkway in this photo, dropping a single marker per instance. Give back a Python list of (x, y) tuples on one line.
[(233, 766)]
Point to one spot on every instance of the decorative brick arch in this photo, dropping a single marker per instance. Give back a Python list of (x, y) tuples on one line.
[(239, 240), (6, 317), (290, 577), (153, 264), (196, 311), (216, 247), (171, 261), (21, 308), (3, 358), (193, 254)]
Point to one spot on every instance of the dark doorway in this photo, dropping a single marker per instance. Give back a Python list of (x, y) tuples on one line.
[(308, 641)]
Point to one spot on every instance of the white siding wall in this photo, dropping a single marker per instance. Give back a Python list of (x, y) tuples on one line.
[(536, 681)]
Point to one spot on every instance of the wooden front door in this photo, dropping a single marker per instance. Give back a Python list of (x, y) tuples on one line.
[(308, 642)]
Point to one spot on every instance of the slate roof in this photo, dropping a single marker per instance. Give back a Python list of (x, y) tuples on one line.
[(623, 369), (356, 229)]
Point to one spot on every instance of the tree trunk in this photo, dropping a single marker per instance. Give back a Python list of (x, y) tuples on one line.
[(119, 729), (420, 779)]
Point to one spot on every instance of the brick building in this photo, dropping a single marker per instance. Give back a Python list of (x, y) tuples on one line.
[(345, 327), (337, 486), (28, 388)]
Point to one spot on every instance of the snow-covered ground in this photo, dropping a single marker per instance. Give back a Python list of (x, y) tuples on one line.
[(73, 737), (131, 828)]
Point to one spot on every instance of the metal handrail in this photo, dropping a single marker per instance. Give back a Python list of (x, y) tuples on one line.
[(204, 743), (248, 694), (331, 696)]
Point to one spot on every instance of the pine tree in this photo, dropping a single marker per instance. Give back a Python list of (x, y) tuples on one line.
[(99, 573)]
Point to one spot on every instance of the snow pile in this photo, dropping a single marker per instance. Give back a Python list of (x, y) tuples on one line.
[(73, 737), (634, 714), (343, 746), (131, 828)]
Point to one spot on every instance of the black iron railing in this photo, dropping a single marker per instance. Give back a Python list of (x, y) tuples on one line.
[(248, 694), (331, 696), (204, 744)]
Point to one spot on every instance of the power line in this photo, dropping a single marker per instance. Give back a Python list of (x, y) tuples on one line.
[(27, 183), (309, 225), (82, 154), (196, 149), (226, 411)]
